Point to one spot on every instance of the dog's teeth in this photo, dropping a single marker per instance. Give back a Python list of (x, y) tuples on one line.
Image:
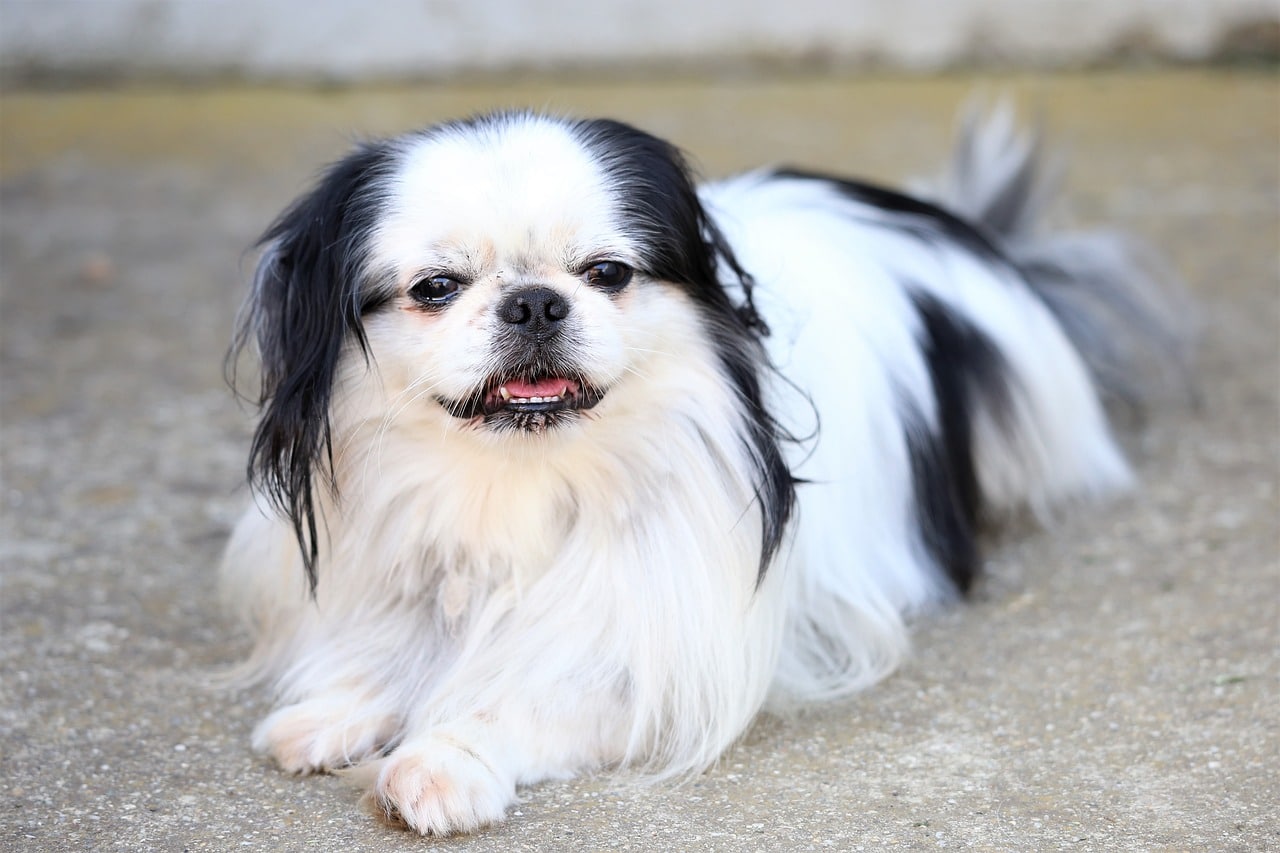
[(508, 397)]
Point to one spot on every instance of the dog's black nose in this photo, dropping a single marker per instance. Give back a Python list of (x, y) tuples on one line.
[(536, 312)]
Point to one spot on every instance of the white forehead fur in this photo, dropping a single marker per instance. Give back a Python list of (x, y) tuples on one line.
[(497, 195)]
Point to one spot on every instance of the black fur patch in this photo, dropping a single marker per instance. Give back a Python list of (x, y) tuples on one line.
[(309, 295), (684, 247), (919, 217), (966, 370), (968, 373)]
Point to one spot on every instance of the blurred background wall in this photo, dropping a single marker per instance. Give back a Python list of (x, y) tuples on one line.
[(351, 41)]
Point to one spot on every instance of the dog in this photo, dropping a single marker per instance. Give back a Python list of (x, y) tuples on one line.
[(565, 463)]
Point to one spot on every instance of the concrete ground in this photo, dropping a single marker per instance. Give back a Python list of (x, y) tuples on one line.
[(1113, 686)]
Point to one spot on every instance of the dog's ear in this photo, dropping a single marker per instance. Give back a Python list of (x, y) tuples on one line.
[(658, 197), (304, 309)]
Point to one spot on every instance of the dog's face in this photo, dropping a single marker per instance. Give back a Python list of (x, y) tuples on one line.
[(516, 292), (511, 277)]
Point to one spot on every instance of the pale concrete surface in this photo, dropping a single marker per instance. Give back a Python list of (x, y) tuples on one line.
[(347, 40), (1112, 687)]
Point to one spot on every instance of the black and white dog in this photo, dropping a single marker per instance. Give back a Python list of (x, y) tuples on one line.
[(565, 463)]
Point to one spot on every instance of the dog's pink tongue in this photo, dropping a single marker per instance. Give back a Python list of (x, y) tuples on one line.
[(541, 388)]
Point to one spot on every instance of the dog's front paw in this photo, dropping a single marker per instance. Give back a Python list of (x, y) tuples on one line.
[(439, 785), (322, 735)]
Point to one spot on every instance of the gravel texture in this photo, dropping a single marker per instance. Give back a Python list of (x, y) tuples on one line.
[(1112, 685)]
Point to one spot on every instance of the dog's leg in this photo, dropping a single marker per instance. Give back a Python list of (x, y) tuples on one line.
[(331, 729), (460, 774)]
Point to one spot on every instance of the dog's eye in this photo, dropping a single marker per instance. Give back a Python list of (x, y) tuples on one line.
[(436, 290), (607, 275)]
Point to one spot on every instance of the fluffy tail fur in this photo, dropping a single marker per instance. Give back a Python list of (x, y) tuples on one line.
[(1118, 302)]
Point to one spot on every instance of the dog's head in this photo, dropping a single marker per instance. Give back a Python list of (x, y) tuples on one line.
[(506, 277)]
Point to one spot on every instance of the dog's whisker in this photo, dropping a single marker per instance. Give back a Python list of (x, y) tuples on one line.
[(407, 397)]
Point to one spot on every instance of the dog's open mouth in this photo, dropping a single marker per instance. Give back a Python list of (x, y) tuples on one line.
[(530, 402)]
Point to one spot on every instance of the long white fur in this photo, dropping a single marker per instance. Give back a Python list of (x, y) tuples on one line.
[(500, 609), (846, 333)]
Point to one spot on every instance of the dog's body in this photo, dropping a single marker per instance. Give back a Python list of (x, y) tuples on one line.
[(586, 465)]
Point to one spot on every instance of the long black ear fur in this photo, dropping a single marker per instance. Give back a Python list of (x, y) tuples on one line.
[(306, 304), (683, 245)]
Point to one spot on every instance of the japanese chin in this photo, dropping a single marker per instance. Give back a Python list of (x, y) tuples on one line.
[(566, 463)]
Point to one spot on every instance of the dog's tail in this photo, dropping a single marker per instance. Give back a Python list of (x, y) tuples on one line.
[(1120, 305)]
